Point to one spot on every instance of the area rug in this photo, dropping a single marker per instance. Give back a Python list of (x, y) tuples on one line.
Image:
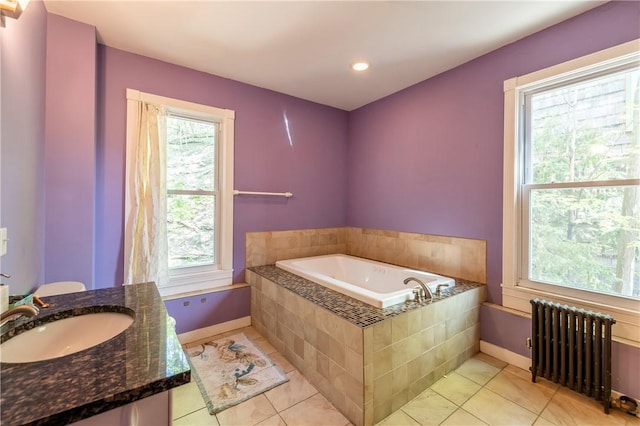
[(231, 370)]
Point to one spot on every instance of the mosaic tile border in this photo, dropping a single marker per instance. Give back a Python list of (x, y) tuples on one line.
[(348, 308)]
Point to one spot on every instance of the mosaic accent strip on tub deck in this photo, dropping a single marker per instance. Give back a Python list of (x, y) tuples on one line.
[(348, 308)]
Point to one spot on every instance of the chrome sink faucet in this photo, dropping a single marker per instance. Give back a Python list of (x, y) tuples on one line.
[(28, 310), (424, 291)]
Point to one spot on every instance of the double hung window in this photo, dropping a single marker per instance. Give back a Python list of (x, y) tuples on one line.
[(185, 206), (572, 183)]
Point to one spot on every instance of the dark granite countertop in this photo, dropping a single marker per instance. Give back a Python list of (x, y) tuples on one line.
[(353, 310), (144, 360)]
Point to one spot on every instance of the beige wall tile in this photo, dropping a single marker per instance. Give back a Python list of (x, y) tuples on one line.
[(399, 328), (428, 316), (414, 321), (399, 353), (381, 335), (322, 365), (382, 388), (382, 362), (381, 411), (368, 383), (399, 399), (353, 390), (399, 379), (353, 337), (336, 351), (354, 365), (367, 346)]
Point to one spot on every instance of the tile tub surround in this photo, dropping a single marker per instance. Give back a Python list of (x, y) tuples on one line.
[(449, 256), (144, 360), (366, 361)]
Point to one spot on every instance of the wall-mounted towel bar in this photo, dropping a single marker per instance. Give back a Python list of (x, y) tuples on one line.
[(278, 194)]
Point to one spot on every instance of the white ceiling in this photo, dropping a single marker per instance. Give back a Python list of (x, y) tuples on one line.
[(305, 48)]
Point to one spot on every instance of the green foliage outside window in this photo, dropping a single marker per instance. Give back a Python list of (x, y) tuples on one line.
[(586, 236)]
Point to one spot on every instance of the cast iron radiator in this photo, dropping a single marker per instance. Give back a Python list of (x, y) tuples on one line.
[(572, 347)]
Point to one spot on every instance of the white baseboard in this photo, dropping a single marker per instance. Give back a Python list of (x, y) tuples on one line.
[(203, 333), (505, 355), (522, 361)]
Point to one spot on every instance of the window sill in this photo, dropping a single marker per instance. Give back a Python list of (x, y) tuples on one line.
[(626, 329), (203, 291), (195, 282)]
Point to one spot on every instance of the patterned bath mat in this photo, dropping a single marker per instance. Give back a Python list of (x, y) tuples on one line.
[(231, 370)]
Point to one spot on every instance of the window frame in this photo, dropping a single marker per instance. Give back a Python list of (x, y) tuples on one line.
[(202, 278), (517, 291)]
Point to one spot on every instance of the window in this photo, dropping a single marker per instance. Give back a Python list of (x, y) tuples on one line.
[(194, 201), (572, 184)]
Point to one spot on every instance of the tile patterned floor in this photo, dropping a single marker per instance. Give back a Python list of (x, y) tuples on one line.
[(482, 391)]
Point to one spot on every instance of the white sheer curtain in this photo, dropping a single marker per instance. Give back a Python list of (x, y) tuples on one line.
[(145, 195)]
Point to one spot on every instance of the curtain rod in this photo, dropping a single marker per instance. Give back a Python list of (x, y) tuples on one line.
[(278, 194)]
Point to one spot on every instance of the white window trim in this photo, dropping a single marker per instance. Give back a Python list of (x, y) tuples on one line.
[(201, 279), (514, 296)]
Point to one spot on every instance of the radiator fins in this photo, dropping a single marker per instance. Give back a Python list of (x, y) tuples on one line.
[(572, 347)]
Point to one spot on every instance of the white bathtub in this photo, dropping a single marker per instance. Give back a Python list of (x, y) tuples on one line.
[(376, 283)]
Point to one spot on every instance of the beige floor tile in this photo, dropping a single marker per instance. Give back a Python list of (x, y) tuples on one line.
[(543, 422), (313, 411), (456, 388), (249, 412), (460, 418), (496, 410), (399, 418), (290, 393), (429, 408), (281, 362), (571, 408), (477, 370), (186, 399), (264, 345), (197, 418), (532, 396), (251, 332), (273, 421), (629, 420), (490, 360)]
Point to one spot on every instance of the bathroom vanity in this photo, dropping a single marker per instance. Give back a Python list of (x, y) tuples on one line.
[(124, 380)]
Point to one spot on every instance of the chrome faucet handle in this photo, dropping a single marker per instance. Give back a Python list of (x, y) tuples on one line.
[(416, 294), (439, 287), (5, 275)]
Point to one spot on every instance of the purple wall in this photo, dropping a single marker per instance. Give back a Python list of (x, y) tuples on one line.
[(439, 140), (69, 148), (195, 312), (22, 62), (313, 166), (429, 158), (510, 331)]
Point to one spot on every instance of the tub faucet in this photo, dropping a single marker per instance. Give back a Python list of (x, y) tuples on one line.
[(425, 290), (28, 310)]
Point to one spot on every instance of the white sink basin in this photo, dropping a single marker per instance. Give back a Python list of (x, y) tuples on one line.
[(64, 337)]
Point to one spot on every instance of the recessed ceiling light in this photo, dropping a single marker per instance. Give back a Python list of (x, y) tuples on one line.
[(360, 66)]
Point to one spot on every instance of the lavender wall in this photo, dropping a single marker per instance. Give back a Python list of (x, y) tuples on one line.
[(429, 158), (204, 310), (312, 165), (70, 127), (22, 62)]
